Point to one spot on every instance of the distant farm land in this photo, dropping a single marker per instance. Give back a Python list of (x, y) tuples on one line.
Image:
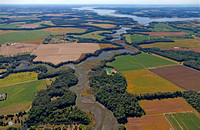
[(164, 33), (150, 122), (165, 106), (182, 76), (144, 81), (18, 78), (188, 43), (57, 53), (23, 36), (93, 35), (18, 48), (65, 30), (103, 25), (19, 96), (185, 121), (140, 61)]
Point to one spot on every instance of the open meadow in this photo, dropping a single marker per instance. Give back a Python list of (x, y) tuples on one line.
[(57, 53), (182, 76), (140, 61), (18, 78), (19, 97), (184, 121), (144, 81), (23, 36)]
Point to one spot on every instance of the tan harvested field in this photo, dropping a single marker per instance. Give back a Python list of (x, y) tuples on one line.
[(164, 33), (148, 122), (57, 53), (37, 41), (182, 76), (102, 46), (30, 26), (152, 107), (19, 48), (65, 30)]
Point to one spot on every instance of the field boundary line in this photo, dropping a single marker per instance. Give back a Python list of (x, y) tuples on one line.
[(18, 83), (168, 121)]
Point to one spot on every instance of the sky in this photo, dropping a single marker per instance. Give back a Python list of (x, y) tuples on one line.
[(149, 2)]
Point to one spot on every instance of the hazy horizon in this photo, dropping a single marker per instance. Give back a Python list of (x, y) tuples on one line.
[(104, 2)]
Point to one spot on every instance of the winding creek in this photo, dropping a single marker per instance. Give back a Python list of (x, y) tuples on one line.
[(104, 118)]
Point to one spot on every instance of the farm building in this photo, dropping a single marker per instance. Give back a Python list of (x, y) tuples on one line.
[(110, 71)]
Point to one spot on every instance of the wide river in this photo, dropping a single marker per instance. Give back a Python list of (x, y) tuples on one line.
[(141, 20)]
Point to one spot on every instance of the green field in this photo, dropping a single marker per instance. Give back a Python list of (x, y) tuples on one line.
[(11, 26), (19, 97), (136, 38), (184, 121), (93, 35), (17, 78), (23, 36), (162, 28), (140, 61)]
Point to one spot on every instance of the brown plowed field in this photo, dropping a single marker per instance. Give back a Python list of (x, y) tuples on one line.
[(19, 48), (165, 106), (164, 33), (148, 122), (182, 76), (57, 53)]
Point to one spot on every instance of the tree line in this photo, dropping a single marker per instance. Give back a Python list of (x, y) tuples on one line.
[(189, 58), (56, 104)]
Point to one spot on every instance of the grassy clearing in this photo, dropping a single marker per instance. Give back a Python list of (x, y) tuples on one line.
[(23, 36), (125, 63), (19, 96), (189, 43), (17, 78), (144, 81), (185, 121), (93, 35), (162, 28)]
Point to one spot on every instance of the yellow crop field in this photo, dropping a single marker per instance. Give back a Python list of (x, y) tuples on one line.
[(18, 78), (93, 35), (189, 43), (144, 81)]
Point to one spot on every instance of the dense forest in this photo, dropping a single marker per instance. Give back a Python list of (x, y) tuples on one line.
[(111, 92), (189, 58), (56, 104)]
